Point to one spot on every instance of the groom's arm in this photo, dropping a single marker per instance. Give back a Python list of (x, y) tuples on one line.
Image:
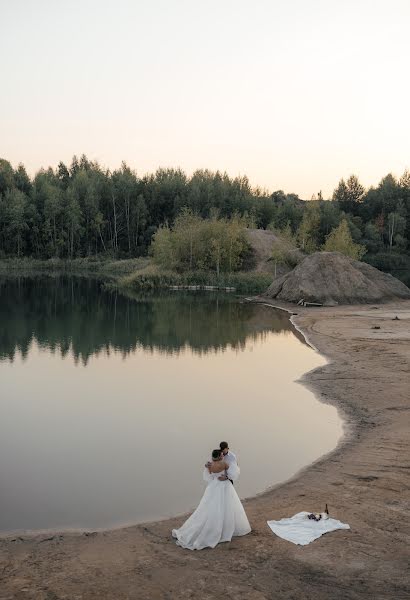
[(233, 471)]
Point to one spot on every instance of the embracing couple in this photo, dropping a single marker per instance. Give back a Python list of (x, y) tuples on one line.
[(220, 514)]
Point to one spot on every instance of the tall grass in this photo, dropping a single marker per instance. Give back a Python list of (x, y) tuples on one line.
[(152, 279)]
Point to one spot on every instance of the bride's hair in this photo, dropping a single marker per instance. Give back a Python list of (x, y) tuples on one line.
[(216, 454)]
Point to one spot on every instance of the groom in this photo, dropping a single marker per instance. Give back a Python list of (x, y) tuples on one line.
[(228, 456)]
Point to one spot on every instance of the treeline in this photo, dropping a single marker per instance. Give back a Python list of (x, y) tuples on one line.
[(83, 209), (379, 218)]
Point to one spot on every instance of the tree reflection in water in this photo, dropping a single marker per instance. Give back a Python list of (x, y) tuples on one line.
[(77, 316)]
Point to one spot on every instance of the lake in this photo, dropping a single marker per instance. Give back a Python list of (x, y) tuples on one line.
[(110, 404)]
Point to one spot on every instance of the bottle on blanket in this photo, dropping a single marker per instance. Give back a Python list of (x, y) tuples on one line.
[(319, 516)]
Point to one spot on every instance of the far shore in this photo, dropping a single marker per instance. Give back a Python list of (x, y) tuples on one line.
[(138, 275), (365, 482), (102, 265)]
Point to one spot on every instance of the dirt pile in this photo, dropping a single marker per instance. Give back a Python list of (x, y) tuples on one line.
[(331, 278), (263, 242)]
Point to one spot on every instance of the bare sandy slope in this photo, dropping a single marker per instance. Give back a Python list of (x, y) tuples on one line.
[(263, 241), (365, 482)]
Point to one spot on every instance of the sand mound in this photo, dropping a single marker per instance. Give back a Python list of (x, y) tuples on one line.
[(263, 241), (331, 278)]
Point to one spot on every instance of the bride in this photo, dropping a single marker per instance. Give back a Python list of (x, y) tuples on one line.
[(220, 514)]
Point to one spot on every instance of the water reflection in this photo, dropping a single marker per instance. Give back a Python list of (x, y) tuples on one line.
[(77, 316), (109, 405)]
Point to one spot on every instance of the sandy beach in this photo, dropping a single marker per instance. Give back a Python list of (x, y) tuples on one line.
[(365, 482)]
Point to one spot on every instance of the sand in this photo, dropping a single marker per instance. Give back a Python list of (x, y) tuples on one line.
[(333, 279), (365, 481)]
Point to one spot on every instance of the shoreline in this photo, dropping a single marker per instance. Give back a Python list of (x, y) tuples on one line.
[(32, 533), (347, 420), (365, 481)]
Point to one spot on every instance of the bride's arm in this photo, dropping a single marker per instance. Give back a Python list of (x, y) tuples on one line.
[(206, 475)]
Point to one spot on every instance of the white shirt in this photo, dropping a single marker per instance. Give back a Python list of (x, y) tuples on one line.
[(233, 469), (230, 457)]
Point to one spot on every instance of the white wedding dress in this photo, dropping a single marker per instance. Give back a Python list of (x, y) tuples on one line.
[(219, 517)]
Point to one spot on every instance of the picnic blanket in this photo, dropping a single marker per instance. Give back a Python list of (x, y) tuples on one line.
[(301, 530)]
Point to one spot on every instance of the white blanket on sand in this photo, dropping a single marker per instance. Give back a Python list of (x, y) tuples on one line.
[(301, 530)]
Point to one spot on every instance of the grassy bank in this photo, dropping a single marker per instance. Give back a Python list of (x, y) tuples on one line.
[(138, 274), (91, 265), (151, 279)]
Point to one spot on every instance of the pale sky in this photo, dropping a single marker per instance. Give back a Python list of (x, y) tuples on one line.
[(293, 93)]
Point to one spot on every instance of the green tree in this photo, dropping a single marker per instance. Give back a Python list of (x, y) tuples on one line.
[(72, 219), (216, 254), (372, 238), (63, 175), (16, 204), (340, 240), (126, 190), (195, 243), (396, 223), (187, 237), (235, 243), (52, 213), (22, 180), (348, 194), (329, 217), (6, 176), (139, 216), (308, 231), (162, 248)]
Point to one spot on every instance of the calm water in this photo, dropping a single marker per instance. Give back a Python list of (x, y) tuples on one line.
[(110, 405)]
